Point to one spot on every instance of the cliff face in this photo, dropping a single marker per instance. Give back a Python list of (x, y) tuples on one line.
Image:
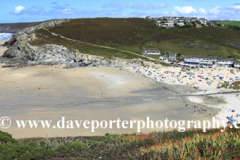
[(20, 50)]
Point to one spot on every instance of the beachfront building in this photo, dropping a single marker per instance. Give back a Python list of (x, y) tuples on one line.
[(172, 57), (206, 64), (208, 61), (153, 52), (237, 64), (225, 62), (168, 57)]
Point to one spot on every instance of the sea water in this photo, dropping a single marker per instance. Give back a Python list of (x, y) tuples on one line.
[(4, 36)]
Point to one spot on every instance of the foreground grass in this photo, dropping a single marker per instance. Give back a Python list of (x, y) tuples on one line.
[(192, 144)]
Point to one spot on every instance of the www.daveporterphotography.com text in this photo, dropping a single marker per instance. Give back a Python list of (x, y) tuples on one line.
[(63, 123)]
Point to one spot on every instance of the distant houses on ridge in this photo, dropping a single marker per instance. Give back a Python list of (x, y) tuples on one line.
[(169, 22)]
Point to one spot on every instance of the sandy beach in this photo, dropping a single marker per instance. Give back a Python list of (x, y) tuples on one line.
[(207, 80), (46, 92), (98, 93)]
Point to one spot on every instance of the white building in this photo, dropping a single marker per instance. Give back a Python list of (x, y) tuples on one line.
[(225, 62), (208, 61), (180, 23), (237, 64), (163, 25), (153, 52), (170, 23), (168, 57)]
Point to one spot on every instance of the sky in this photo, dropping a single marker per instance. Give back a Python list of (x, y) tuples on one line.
[(40, 10)]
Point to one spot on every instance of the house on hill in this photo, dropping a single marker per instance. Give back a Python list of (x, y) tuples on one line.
[(148, 17), (170, 23), (153, 52), (180, 23), (193, 19)]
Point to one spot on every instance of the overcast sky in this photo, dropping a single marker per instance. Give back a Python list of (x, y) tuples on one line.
[(39, 10)]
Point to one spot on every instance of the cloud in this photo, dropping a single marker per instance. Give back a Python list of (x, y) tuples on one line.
[(236, 4), (184, 10), (148, 6), (62, 11), (54, 3), (19, 9), (225, 13), (201, 10), (58, 7), (165, 12), (215, 10), (136, 14), (215, 13), (115, 5), (117, 10)]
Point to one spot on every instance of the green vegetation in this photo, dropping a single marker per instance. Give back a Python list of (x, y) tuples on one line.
[(234, 85), (191, 144), (153, 56), (225, 85), (232, 23), (132, 34)]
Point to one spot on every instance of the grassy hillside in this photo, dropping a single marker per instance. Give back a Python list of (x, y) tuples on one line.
[(133, 34), (232, 23), (191, 144), (45, 37)]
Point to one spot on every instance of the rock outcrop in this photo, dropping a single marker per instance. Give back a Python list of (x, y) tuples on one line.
[(15, 27), (20, 51)]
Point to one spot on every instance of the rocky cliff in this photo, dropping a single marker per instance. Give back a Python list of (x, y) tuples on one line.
[(15, 27), (20, 51)]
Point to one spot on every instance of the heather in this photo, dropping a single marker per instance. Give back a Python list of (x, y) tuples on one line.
[(191, 144), (134, 34)]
